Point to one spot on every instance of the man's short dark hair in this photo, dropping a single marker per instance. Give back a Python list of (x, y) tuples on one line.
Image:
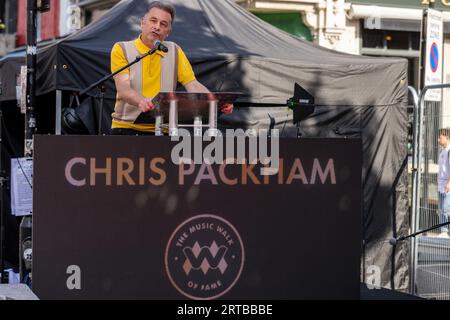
[(163, 6), (444, 132)]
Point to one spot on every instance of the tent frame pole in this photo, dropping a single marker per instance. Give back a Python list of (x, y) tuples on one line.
[(58, 112), (3, 182)]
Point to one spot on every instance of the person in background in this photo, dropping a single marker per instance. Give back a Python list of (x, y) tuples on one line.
[(444, 180)]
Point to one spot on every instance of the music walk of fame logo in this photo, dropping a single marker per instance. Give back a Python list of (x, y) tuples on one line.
[(204, 257)]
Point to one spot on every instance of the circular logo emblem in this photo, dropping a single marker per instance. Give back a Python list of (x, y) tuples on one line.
[(204, 257)]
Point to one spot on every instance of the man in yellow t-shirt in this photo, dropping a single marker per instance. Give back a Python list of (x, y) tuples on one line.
[(135, 90)]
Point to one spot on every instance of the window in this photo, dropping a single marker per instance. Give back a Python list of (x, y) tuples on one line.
[(373, 39), (387, 39), (94, 9), (398, 40)]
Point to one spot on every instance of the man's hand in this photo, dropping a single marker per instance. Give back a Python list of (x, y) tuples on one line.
[(127, 94), (146, 105), (227, 108), (195, 86)]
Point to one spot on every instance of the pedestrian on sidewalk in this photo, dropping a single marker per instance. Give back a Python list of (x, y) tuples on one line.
[(444, 180)]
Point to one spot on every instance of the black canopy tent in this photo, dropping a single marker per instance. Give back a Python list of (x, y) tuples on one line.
[(232, 50)]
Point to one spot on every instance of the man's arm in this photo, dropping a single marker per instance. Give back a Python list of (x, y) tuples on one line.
[(195, 86), (127, 94), (447, 186)]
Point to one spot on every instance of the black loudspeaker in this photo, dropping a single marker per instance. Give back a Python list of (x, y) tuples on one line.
[(71, 122), (16, 292), (25, 248)]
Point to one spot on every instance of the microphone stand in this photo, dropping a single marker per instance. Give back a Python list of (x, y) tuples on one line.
[(101, 84), (394, 241)]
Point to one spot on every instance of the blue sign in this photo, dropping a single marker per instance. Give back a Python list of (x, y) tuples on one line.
[(434, 57)]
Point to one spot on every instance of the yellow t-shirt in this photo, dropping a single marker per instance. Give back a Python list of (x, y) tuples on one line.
[(151, 81)]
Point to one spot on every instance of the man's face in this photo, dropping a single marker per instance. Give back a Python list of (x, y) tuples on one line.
[(156, 25), (443, 140)]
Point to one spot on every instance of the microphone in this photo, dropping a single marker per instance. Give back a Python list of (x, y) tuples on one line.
[(159, 46), (393, 241)]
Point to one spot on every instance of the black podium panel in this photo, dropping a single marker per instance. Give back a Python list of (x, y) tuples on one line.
[(114, 218)]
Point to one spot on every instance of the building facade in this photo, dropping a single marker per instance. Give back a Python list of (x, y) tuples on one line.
[(63, 18), (363, 27), (8, 26)]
